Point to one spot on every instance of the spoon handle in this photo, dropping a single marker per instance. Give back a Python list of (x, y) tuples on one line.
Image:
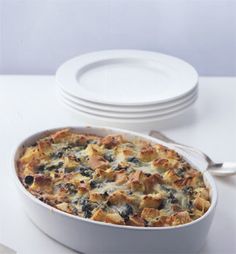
[(223, 169), (186, 148), (217, 169)]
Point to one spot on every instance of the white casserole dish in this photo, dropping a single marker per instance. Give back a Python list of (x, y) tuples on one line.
[(88, 236)]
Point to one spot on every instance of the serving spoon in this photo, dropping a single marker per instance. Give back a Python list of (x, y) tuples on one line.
[(217, 169)]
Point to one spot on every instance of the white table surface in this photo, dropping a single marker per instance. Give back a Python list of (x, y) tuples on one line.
[(28, 104)]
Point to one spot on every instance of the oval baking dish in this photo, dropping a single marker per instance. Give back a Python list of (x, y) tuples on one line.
[(88, 236)]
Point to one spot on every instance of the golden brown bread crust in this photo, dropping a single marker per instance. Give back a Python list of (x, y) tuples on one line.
[(113, 180)]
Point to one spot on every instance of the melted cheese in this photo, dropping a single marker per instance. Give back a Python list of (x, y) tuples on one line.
[(114, 180)]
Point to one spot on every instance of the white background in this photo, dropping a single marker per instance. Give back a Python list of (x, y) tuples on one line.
[(36, 36)]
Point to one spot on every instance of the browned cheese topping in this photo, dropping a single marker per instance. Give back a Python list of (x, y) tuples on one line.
[(113, 180)]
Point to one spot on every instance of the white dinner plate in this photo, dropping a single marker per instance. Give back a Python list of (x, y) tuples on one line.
[(126, 77), (157, 117), (127, 109), (145, 114)]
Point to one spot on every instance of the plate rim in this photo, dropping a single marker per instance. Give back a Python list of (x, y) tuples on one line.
[(127, 120), (123, 108), (132, 115), (66, 71)]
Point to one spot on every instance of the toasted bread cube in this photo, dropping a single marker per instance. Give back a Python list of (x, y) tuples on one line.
[(136, 221), (113, 218), (151, 201), (42, 183), (170, 176), (201, 204), (93, 150), (136, 181), (151, 181), (181, 218), (148, 153), (112, 141), (162, 164), (162, 221), (60, 135), (121, 177), (96, 196), (203, 193), (63, 207), (97, 161), (150, 213), (119, 197)]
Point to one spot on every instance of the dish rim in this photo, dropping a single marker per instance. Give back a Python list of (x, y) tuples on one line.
[(42, 133)]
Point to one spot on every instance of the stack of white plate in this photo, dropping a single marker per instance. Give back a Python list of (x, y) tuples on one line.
[(127, 86)]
